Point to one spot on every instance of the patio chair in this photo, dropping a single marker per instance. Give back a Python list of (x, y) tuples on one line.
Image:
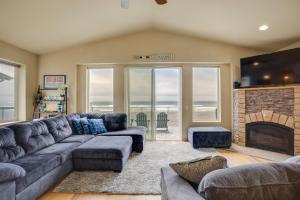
[(162, 121), (141, 120)]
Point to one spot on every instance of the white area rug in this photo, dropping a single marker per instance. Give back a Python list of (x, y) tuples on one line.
[(141, 175)]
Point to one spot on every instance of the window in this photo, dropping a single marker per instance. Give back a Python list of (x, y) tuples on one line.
[(8, 92), (100, 90), (206, 94)]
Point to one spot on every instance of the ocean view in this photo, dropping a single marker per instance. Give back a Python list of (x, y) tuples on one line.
[(202, 110)]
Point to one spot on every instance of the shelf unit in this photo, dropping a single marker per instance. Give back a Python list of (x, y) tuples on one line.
[(39, 99)]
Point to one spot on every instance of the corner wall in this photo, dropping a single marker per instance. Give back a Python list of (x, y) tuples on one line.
[(121, 50), (28, 76)]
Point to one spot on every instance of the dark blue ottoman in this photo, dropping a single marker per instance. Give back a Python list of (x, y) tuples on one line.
[(209, 137)]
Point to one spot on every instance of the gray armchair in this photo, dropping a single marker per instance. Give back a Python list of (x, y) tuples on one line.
[(261, 181)]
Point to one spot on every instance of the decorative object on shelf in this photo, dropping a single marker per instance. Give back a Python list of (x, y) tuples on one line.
[(38, 97), (61, 90), (51, 107), (54, 81), (50, 102), (42, 107), (236, 85), (59, 107)]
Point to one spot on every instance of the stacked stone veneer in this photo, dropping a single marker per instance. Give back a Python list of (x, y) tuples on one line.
[(277, 105)]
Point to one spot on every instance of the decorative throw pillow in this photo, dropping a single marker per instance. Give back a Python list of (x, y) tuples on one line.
[(97, 126), (85, 126), (78, 125), (196, 169)]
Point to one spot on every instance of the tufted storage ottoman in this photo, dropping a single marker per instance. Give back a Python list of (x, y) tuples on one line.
[(209, 137), (103, 153)]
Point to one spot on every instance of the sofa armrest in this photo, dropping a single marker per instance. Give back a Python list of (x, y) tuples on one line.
[(9, 172), (253, 181), (175, 188)]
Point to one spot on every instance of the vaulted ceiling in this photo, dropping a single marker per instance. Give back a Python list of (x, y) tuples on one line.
[(43, 26)]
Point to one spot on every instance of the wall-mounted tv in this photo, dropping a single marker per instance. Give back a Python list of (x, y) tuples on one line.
[(274, 69)]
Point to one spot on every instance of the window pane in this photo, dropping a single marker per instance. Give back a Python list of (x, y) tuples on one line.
[(140, 98), (7, 93), (100, 90), (205, 94)]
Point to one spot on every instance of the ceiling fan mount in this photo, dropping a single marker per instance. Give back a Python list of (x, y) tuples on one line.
[(125, 3)]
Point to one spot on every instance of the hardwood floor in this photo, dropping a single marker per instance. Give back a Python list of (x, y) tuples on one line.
[(234, 158)]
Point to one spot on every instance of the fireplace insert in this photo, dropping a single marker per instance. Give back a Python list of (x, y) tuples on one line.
[(270, 136)]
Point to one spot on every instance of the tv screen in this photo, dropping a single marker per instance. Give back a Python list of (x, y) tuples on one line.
[(275, 69)]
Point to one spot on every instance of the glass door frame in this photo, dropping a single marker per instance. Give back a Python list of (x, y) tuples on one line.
[(152, 66)]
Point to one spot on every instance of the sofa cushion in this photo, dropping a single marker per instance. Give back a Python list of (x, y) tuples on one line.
[(255, 181), (81, 126), (35, 166), (115, 121), (59, 127), (77, 138), (32, 136), (62, 149), (196, 169), (71, 117), (85, 126), (9, 150), (96, 126)]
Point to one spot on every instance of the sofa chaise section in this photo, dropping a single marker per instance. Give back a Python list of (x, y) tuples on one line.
[(103, 153), (116, 124)]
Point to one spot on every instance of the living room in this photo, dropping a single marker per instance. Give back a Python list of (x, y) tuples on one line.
[(121, 99)]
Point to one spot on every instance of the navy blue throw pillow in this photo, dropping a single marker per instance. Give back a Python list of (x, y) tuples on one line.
[(79, 127), (96, 126)]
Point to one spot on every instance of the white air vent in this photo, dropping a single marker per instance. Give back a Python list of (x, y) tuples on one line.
[(155, 57)]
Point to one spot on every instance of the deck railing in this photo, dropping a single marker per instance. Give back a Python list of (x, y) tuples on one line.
[(6, 113)]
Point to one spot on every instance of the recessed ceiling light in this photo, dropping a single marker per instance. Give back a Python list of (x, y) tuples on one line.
[(266, 77), (263, 27), (256, 63)]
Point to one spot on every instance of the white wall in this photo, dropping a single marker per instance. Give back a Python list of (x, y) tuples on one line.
[(121, 51)]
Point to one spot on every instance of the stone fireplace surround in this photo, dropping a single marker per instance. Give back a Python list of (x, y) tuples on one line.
[(279, 105)]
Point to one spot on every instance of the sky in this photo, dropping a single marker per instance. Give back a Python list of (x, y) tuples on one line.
[(167, 82)]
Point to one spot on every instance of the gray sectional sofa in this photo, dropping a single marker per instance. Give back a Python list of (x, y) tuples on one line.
[(36, 155), (264, 181)]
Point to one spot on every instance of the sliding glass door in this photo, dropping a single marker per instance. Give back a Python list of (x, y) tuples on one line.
[(167, 104), (154, 101)]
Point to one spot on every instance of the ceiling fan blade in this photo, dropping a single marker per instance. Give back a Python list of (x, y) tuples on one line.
[(125, 4), (161, 2)]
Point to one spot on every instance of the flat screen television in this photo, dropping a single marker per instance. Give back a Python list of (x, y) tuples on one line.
[(274, 69)]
